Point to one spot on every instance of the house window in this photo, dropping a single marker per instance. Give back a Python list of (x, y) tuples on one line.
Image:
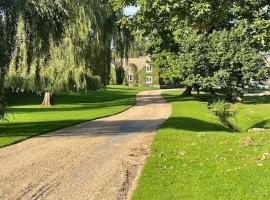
[(129, 78), (148, 68), (149, 80)]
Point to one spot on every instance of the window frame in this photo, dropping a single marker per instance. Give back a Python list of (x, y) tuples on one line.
[(149, 79), (148, 68)]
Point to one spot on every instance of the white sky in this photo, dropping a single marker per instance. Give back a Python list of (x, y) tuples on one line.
[(130, 10)]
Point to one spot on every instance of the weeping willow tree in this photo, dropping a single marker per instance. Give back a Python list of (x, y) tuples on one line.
[(3, 63), (41, 20), (77, 59)]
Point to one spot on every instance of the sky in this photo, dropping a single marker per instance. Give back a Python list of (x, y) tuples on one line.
[(130, 10)]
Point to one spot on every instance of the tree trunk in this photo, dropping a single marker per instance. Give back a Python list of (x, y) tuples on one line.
[(197, 88), (188, 91), (48, 99)]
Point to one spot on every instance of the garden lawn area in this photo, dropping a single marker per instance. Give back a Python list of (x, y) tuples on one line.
[(254, 113), (194, 156), (26, 118)]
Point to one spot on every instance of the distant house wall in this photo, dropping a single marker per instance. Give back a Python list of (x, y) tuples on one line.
[(131, 75), (146, 74), (149, 77)]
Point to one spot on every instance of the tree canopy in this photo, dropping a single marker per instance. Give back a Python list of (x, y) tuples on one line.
[(59, 45), (215, 45)]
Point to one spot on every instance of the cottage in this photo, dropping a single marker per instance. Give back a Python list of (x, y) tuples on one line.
[(140, 72)]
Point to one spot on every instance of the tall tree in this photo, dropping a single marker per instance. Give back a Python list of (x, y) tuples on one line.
[(180, 31), (76, 55), (42, 20)]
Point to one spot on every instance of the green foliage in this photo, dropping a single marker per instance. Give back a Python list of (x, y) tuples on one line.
[(133, 71), (222, 109), (120, 74), (154, 74), (125, 81), (59, 45), (223, 62), (212, 44), (117, 74), (165, 62), (2, 103), (42, 20), (113, 75), (159, 19), (139, 47)]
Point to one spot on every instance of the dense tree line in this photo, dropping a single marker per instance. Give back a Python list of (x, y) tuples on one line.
[(213, 45), (60, 45)]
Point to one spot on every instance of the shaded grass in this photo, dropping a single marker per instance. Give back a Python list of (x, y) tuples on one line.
[(26, 118), (194, 156)]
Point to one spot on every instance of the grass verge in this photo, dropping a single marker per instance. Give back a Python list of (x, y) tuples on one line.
[(194, 156), (26, 118), (253, 113)]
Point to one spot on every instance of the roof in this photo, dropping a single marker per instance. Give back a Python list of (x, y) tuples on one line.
[(140, 62)]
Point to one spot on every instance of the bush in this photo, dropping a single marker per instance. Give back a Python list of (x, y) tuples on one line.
[(222, 109), (113, 75), (94, 83)]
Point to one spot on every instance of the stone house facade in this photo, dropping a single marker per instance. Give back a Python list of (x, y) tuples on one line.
[(140, 72)]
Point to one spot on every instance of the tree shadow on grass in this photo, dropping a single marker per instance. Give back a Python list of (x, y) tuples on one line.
[(180, 98), (261, 124), (77, 107), (24, 99), (127, 101), (193, 124), (105, 127), (77, 128), (257, 100)]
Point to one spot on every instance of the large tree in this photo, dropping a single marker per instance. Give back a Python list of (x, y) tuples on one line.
[(43, 20), (188, 33), (223, 63), (75, 55)]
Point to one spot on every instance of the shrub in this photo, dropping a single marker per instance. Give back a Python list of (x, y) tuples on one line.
[(113, 75), (222, 109)]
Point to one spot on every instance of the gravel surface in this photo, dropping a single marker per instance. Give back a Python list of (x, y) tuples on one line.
[(99, 159)]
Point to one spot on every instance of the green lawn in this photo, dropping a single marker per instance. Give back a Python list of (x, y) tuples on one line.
[(254, 113), (27, 118), (195, 157)]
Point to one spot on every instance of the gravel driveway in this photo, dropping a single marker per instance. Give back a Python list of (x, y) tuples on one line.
[(99, 159)]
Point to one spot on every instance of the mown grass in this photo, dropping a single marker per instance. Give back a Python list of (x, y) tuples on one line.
[(194, 156), (26, 118), (253, 113)]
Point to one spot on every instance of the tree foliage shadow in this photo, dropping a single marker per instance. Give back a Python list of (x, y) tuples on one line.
[(196, 97), (193, 124), (78, 127), (24, 99), (124, 101), (261, 124), (104, 127), (257, 99), (78, 107)]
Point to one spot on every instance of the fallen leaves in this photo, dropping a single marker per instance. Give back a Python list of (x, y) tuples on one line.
[(247, 141), (264, 156), (182, 153)]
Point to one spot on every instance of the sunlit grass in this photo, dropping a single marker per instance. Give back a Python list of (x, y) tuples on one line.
[(194, 156)]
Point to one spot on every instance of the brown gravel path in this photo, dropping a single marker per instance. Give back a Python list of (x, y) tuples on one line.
[(99, 159)]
